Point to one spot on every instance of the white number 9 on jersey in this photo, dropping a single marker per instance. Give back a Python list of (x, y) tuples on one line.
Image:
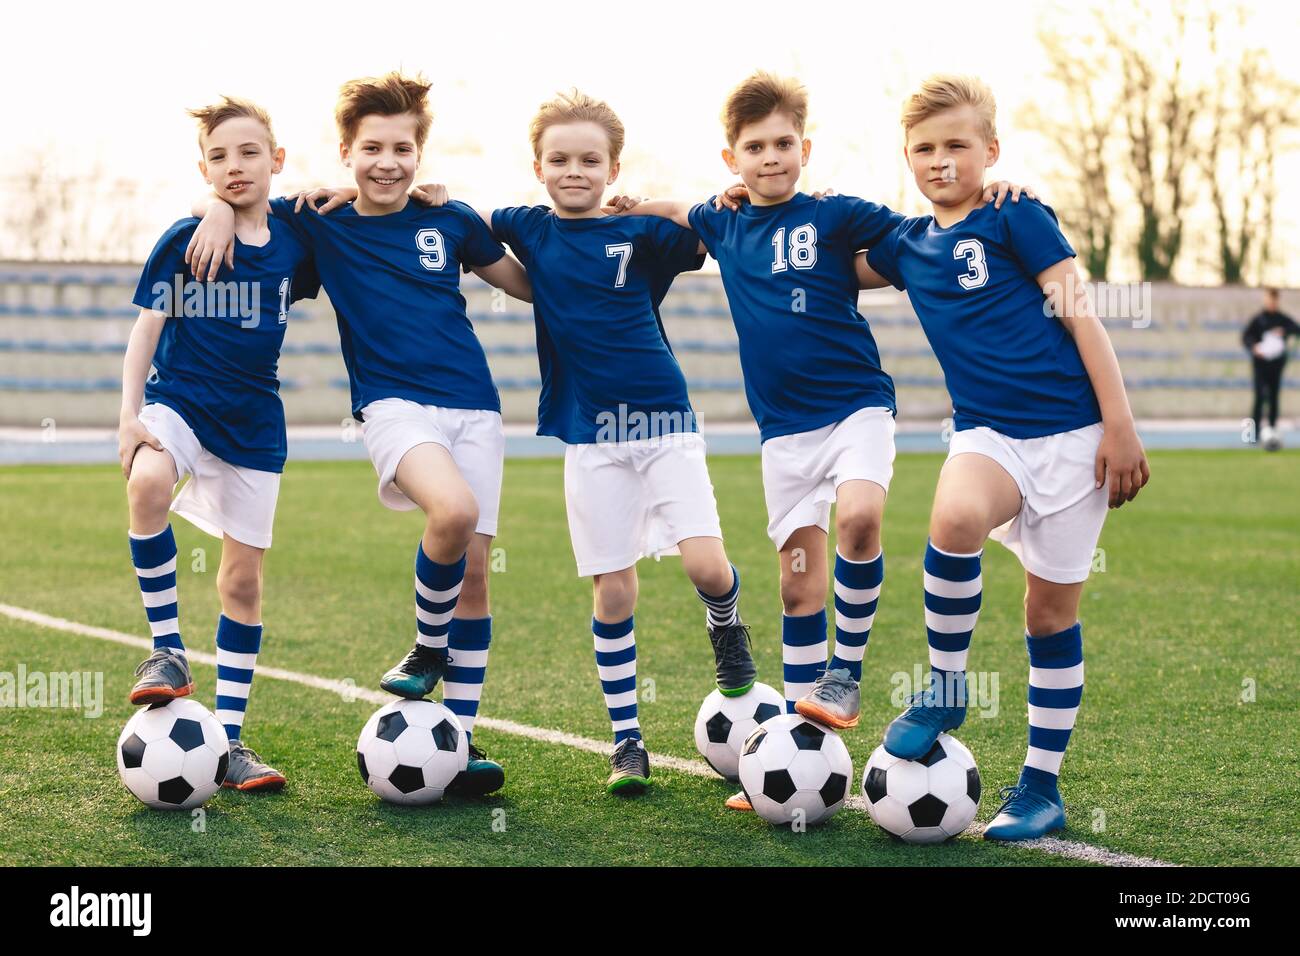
[(429, 241), (977, 270)]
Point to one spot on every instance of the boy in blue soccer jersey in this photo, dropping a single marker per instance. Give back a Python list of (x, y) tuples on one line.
[(635, 478), (824, 406), (420, 384), (212, 412), (1044, 439)]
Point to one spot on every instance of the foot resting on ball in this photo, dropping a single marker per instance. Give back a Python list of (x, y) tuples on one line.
[(913, 732), (630, 768), (1026, 814), (246, 771), (834, 700), (734, 665), (480, 777), (163, 676), (418, 673)]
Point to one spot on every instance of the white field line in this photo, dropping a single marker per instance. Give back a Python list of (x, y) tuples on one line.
[(696, 768)]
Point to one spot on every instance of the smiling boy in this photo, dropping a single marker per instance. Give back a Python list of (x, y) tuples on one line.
[(419, 378)]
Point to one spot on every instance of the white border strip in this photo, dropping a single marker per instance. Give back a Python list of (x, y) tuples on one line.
[(695, 768)]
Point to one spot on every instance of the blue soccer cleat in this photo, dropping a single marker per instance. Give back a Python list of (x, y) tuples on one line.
[(1025, 815), (913, 732)]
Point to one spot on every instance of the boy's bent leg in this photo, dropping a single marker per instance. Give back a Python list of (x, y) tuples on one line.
[(615, 641), (428, 476), (165, 675), (975, 495), (717, 583), (803, 599)]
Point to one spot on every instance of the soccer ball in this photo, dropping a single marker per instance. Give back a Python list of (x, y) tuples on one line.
[(173, 755), (724, 723), (927, 800), (795, 771), (411, 750)]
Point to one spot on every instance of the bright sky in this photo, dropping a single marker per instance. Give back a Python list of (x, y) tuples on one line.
[(109, 83)]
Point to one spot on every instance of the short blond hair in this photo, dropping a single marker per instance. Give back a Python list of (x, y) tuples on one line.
[(230, 107), (943, 91), (577, 107), (389, 95), (760, 95)]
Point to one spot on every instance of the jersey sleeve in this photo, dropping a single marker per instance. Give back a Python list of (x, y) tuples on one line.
[(862, 224), (166, 262), (883, 257), (282, 210), (1033, 235), (306, 281), (706, 220), (480, 248), (676, 249)]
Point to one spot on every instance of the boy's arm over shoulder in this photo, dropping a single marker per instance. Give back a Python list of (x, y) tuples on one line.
[(678, 247), (856, 221), (879, 265)]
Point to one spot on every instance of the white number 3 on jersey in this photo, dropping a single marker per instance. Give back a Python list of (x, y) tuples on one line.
[(977, 270)]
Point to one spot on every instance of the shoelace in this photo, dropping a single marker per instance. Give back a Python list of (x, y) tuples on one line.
[(157, 659), (476, 754), (421, 660), (733, 642), (248, 753), (627, 757), (831, 688)]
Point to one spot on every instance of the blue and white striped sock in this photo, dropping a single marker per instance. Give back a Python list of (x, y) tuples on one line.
[(462, 688), (437, 588), (154, 557), (616, 665), (857, 589), (722, 610), (953, 590), (803, 653), (1055, 690), (237, 647)]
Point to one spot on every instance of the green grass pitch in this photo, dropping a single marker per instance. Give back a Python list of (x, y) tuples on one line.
[(1171, 759)]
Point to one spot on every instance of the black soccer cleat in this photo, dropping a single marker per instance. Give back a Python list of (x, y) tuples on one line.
[(480, 776), (631, 768), (418, 673), (735, 670)]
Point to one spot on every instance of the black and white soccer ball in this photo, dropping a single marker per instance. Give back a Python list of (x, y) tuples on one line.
[(724, 723), (795, 771), (410, 751), (173, 755), (927, 800)]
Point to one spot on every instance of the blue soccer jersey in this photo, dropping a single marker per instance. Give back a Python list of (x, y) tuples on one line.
[(394, 282), (604, 356), (808, 357), (1008, 362), (217, 356)]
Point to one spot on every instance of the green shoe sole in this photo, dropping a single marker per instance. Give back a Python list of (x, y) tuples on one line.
[(736, 691), (628, 785)]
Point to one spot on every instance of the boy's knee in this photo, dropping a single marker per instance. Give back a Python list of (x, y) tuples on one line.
[(800, 595), (857, 532), (958, 529), (149, 491), (240, 585)]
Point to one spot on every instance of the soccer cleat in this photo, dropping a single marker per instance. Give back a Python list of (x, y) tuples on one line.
[(631, 768), (246, 771), (834, 700), (738, 801), (480, 777), (163, 676), (418, 673), (735, 670), (1025, 815), (913, 732)]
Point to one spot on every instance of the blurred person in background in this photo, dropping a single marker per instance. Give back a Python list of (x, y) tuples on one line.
[(1265, 338)]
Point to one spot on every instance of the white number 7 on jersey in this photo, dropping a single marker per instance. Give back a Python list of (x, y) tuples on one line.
[(624, 252)]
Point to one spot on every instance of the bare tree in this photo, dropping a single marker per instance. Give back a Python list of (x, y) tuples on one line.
[(1250, 109)]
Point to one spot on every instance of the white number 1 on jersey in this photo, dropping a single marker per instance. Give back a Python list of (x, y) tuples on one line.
[(624, 252)]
